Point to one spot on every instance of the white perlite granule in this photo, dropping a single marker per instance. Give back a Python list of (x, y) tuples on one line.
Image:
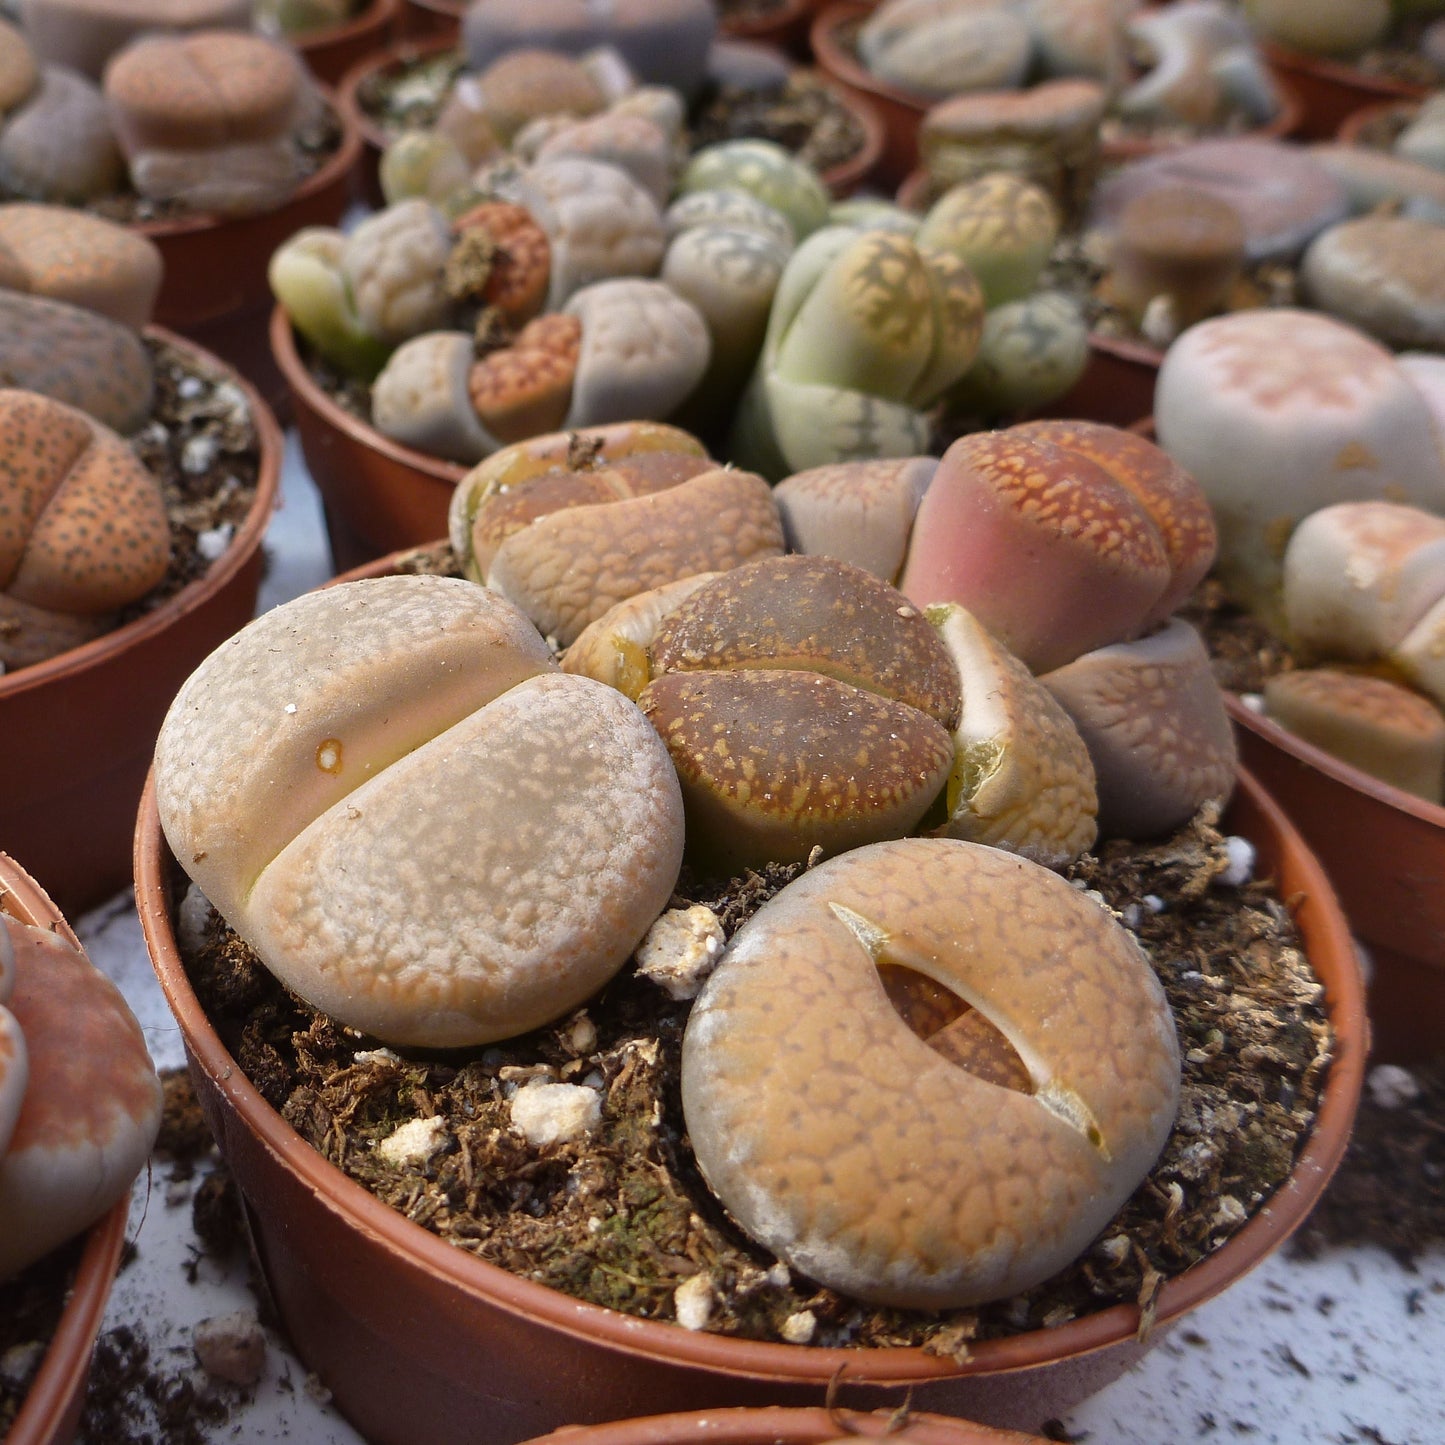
[(554, 1113), (414, 1142)]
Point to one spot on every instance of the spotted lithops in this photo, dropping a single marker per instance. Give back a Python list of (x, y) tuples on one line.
[(766, 172), (985, 1061), (427, 831)]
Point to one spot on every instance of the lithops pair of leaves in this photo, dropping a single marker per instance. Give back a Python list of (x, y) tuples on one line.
[(417, 822), (80, 1103), (57, 144), (83, 529), (566, 526)]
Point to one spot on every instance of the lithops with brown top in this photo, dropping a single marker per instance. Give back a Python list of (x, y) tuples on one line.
[(927, 1073), (418, 824), (80, 1103)]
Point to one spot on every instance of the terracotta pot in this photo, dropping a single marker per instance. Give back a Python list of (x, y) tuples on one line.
[(783, 1427), (1384, 850), (425, 19), (79, 728), (1328, 91), (330, 52), (378, 495), (51, 1409), (1117, 386), (215, 291), (786, 27), (841, 180), (418, 1341)]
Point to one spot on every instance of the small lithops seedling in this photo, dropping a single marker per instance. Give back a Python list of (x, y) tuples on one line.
[(983, 1057), (83, 528), (419, 824), (80, 1103)]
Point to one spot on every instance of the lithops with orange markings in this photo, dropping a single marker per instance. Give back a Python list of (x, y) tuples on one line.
[(417, 822), (83, 528), (80, 1103), (927, 1073)]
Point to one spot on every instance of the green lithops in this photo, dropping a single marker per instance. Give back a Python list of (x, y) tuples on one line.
[(423, 163), (766, 171), (1031, 353), (306, 278)]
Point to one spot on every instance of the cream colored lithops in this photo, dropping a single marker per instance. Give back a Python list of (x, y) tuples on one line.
[(927, 1073), (91, 1105), (1021, 776), (418, 824)]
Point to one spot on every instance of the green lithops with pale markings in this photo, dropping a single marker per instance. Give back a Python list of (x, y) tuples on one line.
[(765, 171)]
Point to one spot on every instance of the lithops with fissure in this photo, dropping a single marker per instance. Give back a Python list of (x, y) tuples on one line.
[(985, 1063), (419, 825)]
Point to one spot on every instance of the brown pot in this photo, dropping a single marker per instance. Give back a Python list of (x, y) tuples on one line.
[(51, 1410), (1117, 386), (786, 27), (418, 1341), (1384, 850), (426, 19), (214, 290), (79, 728), (378, 495), (330, 52), (1328, 91), (784, 1427)]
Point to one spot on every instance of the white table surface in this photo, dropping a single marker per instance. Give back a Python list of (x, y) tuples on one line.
[(1349, 1347)]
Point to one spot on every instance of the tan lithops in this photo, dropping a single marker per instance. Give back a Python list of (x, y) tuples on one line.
[(774, 763), (842, 1129), (1153, 719), (525, 389), (529, 83), (70, 255), (859, 512), (19, 73), (418, 824), (1021, 777), (1378, 726), (422, 398), (92, 1102), (502, 258), (1420, 654), (567, 568)]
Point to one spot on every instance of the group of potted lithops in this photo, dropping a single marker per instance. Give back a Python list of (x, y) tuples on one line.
[(739, 884)]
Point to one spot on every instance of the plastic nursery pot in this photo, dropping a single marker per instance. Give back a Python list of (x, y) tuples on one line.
[(331, 51), (79, 729), (1384, 850), (378, 495), (215, 290), (1328, 91), (50, 1412), (784, 1427), (418, 1341)]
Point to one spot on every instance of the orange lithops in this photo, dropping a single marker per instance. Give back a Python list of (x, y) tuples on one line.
[(526, 388), (518, 261), (842, 1128)]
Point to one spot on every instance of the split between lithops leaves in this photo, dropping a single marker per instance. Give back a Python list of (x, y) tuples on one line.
[(418, 824), (982, 1060)]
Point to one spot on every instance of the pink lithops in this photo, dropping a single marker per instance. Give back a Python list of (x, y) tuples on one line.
[(1373, 724), (83, 528), (1041, 544), (929, 1157), (1021, 776), (1153, 719), (858, 512), (91, 1104), (418, 823)]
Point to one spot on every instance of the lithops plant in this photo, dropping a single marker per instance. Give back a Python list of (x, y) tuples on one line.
[(1030, 353), (80, 1103), (1321, 27), (936, 49), (766, 172), (83, 35), (83, 529), (993, 1015), (58, 145), (19, 69), (409, 739)]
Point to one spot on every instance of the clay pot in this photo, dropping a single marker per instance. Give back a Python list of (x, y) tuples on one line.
[(418, 1341), (215, 291), (377, 495), (51, 1409), (1117, 386), (1384, 850), (1328, 91), (783, 1427), (330, 52), (80, 728)]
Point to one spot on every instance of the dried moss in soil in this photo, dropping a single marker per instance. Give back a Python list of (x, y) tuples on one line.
[(623, 1217)]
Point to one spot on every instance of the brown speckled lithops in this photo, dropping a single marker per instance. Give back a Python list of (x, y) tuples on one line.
[(906, 1163), (418, 824)]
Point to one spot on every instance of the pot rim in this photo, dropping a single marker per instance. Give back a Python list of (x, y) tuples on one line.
[(337, 167), (834, 57), (247, 537), (1329, 936), (58, 1385), (300, 380), (1340, 72), (1356, 121), (375, 14)]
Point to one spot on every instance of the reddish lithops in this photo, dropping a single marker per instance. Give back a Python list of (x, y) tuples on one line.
[(525, 389), (417, 822), (83, 528), (78, 1128), (503, 259), (866, 1141)]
